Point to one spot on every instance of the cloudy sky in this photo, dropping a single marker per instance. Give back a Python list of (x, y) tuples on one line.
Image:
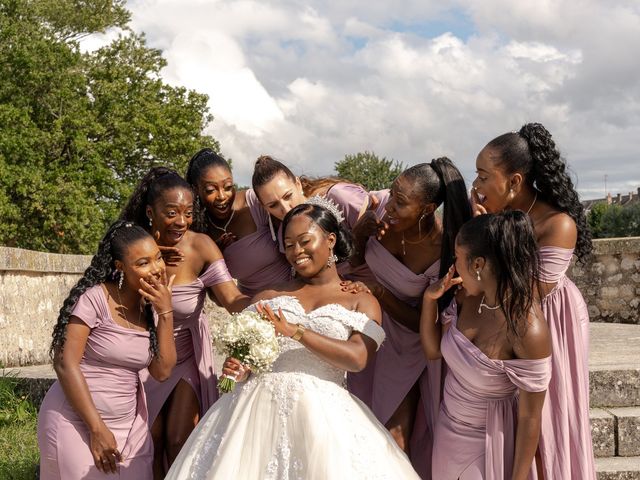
[(310, 81)]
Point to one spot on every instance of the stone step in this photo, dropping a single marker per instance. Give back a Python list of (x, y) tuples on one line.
[(614, 365), (618, 468), (615, 431)]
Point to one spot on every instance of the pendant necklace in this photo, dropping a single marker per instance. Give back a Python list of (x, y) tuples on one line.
[(415, 242), (534, 202), (222, 229), (488, 307), (125, 309)]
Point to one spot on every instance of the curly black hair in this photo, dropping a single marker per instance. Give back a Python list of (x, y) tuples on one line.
[(532, 152), (201, 161), (507, 242), (328, 222), (440, 182), (113, 246), (157, 181)]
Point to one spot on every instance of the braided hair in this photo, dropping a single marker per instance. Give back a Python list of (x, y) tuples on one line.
[(440, 182), (201, 161), (532, 152), (507, 242), (113, 246), (157, 181)]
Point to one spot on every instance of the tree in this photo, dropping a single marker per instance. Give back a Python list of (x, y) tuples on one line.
[(77, 130), (618, 221), (369, 170), (594, 219)]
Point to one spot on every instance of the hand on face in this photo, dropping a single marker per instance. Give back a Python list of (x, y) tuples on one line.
[(157, 291), (476, 204), (438, 289)]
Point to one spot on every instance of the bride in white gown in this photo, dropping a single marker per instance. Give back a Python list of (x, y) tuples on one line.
[(298, 421)]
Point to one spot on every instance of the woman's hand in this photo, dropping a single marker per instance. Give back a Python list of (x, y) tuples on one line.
[(280, 323), (104, 449), (369, 224), (438, 289), (233, 368), (225, 240), (158, 292), (172, 256), (476, 204), (372, 287)]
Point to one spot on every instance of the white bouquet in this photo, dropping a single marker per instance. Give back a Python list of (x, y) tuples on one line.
[(248, 337)]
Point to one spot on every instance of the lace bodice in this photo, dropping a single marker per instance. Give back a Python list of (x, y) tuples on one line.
[(332, 320)]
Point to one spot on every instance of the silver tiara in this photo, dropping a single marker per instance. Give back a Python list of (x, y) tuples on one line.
[(327, 204)]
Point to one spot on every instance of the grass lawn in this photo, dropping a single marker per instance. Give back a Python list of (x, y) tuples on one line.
[(18, 443)]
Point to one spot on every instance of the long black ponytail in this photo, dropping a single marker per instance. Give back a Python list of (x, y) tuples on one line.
[(112, 247), (441, 183), (533, 152)]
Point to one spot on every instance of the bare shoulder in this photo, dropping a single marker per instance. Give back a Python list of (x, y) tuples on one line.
[(535, 343), (557, 229), (205, 246), (368, 304), (240, 200)]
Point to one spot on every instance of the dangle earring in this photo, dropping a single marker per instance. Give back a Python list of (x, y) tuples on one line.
[(293, 272), (332, 259), (420, 226), (121, 279), (478, 275), (150, 222)]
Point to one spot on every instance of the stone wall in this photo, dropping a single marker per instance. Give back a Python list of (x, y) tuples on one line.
[(610, 282), (34, 284), (32, 288)]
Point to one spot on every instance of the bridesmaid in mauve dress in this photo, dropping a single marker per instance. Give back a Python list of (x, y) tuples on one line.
[(408, 248), (525, 171), (92, 423), (238, 223), (279, 190), (497, 346), (164, 201)]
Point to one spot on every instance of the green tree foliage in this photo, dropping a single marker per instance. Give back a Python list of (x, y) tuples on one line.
[(369, 170), (609, 221), (77, 130)]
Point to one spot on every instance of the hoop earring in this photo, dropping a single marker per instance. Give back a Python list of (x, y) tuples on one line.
[(478, 275), (121, 279), (420, 226)]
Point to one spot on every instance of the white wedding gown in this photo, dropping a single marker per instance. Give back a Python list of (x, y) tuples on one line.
[(297, 421)]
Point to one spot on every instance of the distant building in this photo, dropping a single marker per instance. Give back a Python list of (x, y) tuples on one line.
[(619, 199)]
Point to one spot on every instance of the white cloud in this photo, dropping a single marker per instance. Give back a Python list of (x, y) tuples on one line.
[(410, 80)]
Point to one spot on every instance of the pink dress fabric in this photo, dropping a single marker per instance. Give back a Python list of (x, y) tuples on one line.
[(352, 199), (476, 428), (254, 261), (112, 361), (565, 440), (193, 344), (400, 363)]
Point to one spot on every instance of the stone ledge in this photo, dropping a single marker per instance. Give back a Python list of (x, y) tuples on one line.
[(614, 388), (628, 430), (613, 246), (618, 468), (603, 432), (17, 259)]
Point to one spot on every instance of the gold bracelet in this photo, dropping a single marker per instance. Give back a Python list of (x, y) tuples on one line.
[(164, 313), (299, 332)]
